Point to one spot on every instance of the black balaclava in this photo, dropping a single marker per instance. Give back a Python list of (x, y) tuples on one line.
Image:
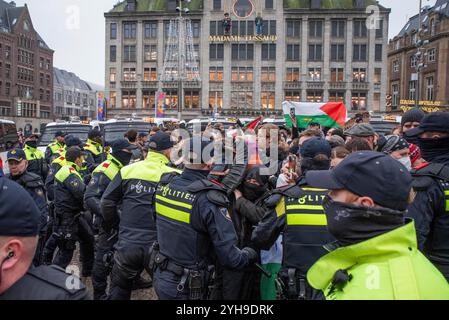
[(251, 191), (435, 150), (351, 224), (123, 156)]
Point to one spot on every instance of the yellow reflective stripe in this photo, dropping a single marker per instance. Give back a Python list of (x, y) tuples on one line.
[(446, 192), (305, 207), (172, 213), (447, 205), (280, 208), (173, 202), (306, 220), (314, 189)]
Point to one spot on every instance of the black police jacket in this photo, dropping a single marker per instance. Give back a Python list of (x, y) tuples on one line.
[(69, 192), (33, 184), (193, 223), (430, 210), (46, 283), (297, 212)]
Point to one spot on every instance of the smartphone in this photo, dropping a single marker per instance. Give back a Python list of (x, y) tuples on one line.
[(293, 112), (292, 164)]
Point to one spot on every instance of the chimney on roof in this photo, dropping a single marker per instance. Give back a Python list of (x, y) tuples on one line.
[(12, 3)]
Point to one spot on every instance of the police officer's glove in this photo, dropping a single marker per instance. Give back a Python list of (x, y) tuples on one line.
[(252, 255)]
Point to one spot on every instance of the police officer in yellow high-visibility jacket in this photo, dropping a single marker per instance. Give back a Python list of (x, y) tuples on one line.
[(56, 148), (35, 157), (133, 187), (94, 149), (298, 213)]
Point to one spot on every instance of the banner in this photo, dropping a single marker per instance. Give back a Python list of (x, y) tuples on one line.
[(331, 114), (160, 104), (101, 107)]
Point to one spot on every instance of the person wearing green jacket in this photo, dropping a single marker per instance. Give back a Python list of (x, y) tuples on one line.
[(376, 256)]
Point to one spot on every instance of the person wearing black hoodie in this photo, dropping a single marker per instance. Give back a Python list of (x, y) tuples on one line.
[(430, 209)]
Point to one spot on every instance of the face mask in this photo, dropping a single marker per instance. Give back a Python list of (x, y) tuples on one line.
[(32, 144), (406, 162), (123, 156), (351, 224), (431, 149), (252, 192)]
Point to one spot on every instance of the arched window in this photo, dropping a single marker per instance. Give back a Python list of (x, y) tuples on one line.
[(432, 27), (243, 8)]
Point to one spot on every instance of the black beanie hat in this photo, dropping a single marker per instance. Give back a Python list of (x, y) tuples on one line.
[(413, 115)]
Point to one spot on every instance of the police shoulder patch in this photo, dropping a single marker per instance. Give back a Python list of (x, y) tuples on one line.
[(225, 213)]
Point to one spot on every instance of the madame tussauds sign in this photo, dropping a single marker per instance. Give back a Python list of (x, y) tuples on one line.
[(259, 38)]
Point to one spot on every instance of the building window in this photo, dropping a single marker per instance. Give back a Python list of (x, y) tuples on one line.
[(196, 29), (216, 74), (192, 99), (129, 53), (129, 74), (113, 30), (314, 74), (242, 28), (129, 99), (377, 76), (430, 93), (432, 27), (171, 100), (315, 96), (359, 53), (294, 28), (7, 88), (148, 99), (360, 30), (149, 74), (150, 30), (269, 28), (216, 51), (112, 75), (267, 100), (113, 53), (216, 28), (358, 101), (243, 8), (316, 28), (268, 51), (242, 100), (396, 66), (412, 90), (292, 75), (338, 28), (315, 52), (337, 52), (380, 30), (215, 100), (150, 52), (378, 52), (337, 75), (242, 52), (359, 75), (242, 74), (293, 52), (217, 5), (268, 74), (431, 55), (294, 96), (413, 61), (269, 4), (336, 96), (129, 30)]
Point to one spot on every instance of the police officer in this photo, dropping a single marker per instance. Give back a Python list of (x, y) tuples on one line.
[(70, 226), (193, 227), (19, 229), (56, 148), (101, 178), (298, 213), (375, 256), (94, 149), (133, 188), (35, 157), (431, 182), (18, 166)]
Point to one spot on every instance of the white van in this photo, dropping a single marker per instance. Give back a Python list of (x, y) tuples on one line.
[(8, 140)]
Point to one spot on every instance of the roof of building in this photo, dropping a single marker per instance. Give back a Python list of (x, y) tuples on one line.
[(441, 7), (154, 5), (9, 14), (69, 79), (325, 4)]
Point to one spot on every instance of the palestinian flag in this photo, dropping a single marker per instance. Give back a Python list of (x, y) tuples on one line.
[(331, 114)]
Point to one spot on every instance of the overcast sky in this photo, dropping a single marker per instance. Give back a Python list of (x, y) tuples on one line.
[(75, 30)]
